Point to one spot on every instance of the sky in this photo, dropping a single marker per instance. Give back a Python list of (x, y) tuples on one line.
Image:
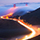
[(16, 1), (3, 4)]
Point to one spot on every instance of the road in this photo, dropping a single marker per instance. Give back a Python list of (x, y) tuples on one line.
[(34, 30)]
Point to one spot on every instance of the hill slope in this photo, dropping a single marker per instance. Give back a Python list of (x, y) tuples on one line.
[(9, 28), (32, 17)]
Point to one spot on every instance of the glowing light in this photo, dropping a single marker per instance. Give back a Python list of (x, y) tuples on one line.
[(38, 28), (10, 14), (14, 5), (11, 9), (1, 16), (31, 35), (30, 25), (16, 39), (7, 17), (26, 4)]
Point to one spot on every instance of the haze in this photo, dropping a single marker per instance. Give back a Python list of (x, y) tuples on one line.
[(16, 1)]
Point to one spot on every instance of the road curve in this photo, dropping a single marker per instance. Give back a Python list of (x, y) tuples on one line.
[(29, 36), (34, 30)]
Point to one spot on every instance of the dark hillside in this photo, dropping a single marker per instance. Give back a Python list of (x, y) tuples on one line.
[(32, 17), (9, 28)]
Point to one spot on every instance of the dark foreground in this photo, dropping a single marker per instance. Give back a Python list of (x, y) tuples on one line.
[(32, 17), (9, 29)]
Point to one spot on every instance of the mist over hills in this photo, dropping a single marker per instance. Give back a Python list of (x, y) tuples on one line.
[(32, 17)]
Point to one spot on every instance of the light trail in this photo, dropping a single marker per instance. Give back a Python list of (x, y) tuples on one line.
[(31, 35), (34, 31), (7, 16)]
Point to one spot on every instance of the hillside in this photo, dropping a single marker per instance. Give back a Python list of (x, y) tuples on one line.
[(9, 28), (32, 17)]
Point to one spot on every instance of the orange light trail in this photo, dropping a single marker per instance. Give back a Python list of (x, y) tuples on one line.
[(31, 35), (7, 16), (10, 12)]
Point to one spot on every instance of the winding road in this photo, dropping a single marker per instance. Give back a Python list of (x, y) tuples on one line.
[(34, 30)]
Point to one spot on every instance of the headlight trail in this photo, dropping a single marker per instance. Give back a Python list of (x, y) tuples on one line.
[(31, 35), (34, 31), (7, 16)]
